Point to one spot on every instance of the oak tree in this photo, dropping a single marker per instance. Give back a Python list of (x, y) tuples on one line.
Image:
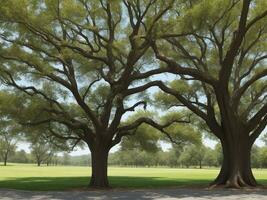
[(218, 50), (76, 62)]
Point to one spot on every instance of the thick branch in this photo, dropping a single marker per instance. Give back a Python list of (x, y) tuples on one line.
[(261, 126), (126, 130), (238, 94), (238, 37), (257, 118), (175, 68)]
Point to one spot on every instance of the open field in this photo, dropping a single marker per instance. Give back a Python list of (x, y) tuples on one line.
[(30, 177)]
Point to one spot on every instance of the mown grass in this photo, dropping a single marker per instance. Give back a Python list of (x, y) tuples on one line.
[(30, 177)]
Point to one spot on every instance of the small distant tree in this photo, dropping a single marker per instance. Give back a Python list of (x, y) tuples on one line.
[(219, 153), (40, 152), (43, 149), (255, 156), (210, 158), (55, 160), (193, 155), (20, 157), (173, 154), (263, 157), (186, 160), (7, 146), (7, 139), (66, 159), (51, 156)]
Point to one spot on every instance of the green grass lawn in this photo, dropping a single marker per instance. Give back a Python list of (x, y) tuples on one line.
[(30, 177)]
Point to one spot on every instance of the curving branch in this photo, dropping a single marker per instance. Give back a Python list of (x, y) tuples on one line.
[(257, 118), (239, 35), (126, 130), (175, 68), (258, 130), (239, 92), (132, 108)]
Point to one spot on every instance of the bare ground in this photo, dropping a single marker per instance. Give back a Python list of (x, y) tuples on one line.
[(159, 194)]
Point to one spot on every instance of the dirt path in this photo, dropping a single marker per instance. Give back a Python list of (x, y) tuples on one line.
[(160, 194)]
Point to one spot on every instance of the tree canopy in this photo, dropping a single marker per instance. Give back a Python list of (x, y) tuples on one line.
[(218, 50), (87, 64), (78, 68)]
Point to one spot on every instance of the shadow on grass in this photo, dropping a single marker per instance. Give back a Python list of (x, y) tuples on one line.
[(67, 183), (81, 183), (7, 165)]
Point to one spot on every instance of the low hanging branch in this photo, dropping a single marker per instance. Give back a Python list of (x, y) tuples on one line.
[(126, 130)]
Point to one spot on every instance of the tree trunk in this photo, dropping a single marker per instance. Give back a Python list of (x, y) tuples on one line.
[(99, 160), (236, 168), (5, 160)]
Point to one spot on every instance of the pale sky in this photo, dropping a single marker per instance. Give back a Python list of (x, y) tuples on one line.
[(165, 147)]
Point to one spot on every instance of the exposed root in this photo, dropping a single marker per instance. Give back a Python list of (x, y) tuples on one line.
[(91, 187), (235, 182), (99, 184)]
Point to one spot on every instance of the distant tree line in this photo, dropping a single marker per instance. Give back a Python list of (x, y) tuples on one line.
[(21, 156), (191, 156)]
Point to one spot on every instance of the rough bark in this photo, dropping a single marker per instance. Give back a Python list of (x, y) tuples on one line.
[(99, 162), (236, 168)]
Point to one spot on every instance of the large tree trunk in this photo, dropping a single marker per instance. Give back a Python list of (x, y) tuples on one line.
[(236, 168), (99, 160)]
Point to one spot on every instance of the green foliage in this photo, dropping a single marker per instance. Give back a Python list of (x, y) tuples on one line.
[(20, 157), (256, 160), (67, 72), (7, 146), (193, 155), (41, 151), (9, 135), (218, 150), (147, 137), (144, 137), (134, 157), (75, 67), (210, 158), (263, 157), (184, 134)]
